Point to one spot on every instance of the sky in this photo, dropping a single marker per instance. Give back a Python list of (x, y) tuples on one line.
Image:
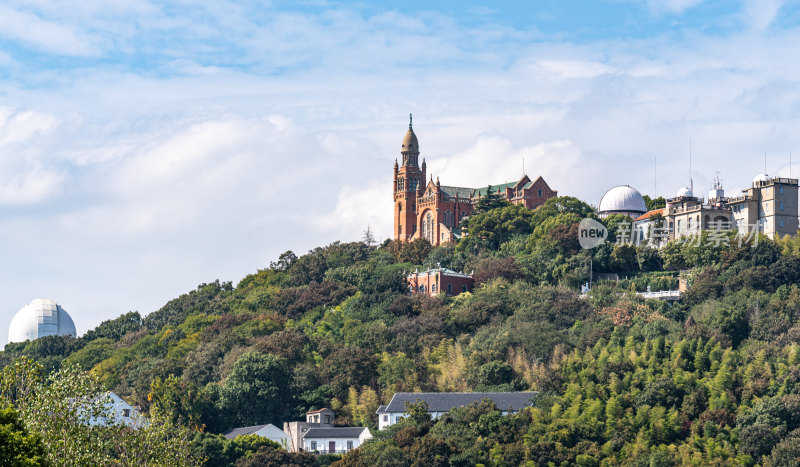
[(148, 146)]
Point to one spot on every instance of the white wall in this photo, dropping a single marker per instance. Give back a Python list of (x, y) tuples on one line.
[(322, 444)]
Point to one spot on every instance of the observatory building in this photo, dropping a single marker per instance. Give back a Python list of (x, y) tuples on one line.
[(623, 199), (39, 318)]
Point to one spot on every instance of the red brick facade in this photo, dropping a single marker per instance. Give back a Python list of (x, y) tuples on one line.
[(434, 211), (436, 281)]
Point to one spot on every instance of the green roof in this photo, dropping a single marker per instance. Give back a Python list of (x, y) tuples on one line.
[(457, 191), (502, 188)]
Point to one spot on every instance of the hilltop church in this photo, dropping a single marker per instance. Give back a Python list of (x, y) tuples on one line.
[(433, 211)]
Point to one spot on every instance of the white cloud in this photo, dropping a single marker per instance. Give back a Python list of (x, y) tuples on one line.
[(759, 14), (672, 6), (48, 35), (358, 207)]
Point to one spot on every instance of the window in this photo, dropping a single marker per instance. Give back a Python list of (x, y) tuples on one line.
[(781, 222), (327, 418), (400, 207), (463, 288), (780, 189), (386, 418), (313, 445), (540, 192), (433, 288), (780, 206), (349, 445), (127, 412), (422, 288), (427, 227), (449, 288)]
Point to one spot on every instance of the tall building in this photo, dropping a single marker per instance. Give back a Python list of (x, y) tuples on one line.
[(433, 211), (770, 203)]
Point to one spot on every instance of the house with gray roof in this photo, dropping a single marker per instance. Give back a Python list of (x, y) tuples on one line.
[(268, 431), (440, 403), (334, 440)]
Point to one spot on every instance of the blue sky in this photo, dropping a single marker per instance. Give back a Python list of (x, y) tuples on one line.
[(146, 147)]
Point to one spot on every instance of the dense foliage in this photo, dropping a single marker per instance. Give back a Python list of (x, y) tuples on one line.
[(711, 379)]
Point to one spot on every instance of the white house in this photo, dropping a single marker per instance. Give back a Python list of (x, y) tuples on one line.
[(269, 431), (334, 440), (322, 418), (119, 413), (440, 403)]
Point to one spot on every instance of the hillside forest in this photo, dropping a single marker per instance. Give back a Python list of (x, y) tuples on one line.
[(711, 379)]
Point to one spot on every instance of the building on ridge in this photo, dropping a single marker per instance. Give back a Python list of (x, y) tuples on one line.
[(439, 403), (622, 199), (439, 280), (770, 203), (427, 209), (769, 206)]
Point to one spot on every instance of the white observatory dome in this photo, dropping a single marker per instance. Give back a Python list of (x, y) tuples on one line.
[(761, 178), (685, 191), (41, 317), (623, 199)]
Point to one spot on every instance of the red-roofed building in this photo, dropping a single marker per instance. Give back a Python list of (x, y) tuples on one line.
[(430, 210)]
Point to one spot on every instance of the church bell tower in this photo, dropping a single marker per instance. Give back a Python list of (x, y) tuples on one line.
[(409, 183)]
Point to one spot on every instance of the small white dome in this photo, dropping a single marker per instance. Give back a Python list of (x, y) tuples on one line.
[(622, 199), (761, 178), (41, 317), (685, 191)]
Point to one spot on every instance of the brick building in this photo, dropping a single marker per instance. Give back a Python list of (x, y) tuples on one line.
[(440, 280), (433, 211)]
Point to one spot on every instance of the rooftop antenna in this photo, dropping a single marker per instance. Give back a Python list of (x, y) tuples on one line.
[(523, 166), (765, 161), (790, 164), (717, 181)]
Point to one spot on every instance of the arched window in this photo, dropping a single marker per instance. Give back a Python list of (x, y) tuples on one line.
[(400, 207), (433, 288), (463, 288), (428, 227), (449, 289), (540, 192)]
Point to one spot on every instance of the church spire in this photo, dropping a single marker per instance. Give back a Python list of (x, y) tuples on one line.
[(410, 122)]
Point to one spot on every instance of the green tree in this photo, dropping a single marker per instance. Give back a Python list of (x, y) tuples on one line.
[(492, 199), (654, 203), (269, 456), (497, 225), (18, 447), (256, 390), (69, 412)]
